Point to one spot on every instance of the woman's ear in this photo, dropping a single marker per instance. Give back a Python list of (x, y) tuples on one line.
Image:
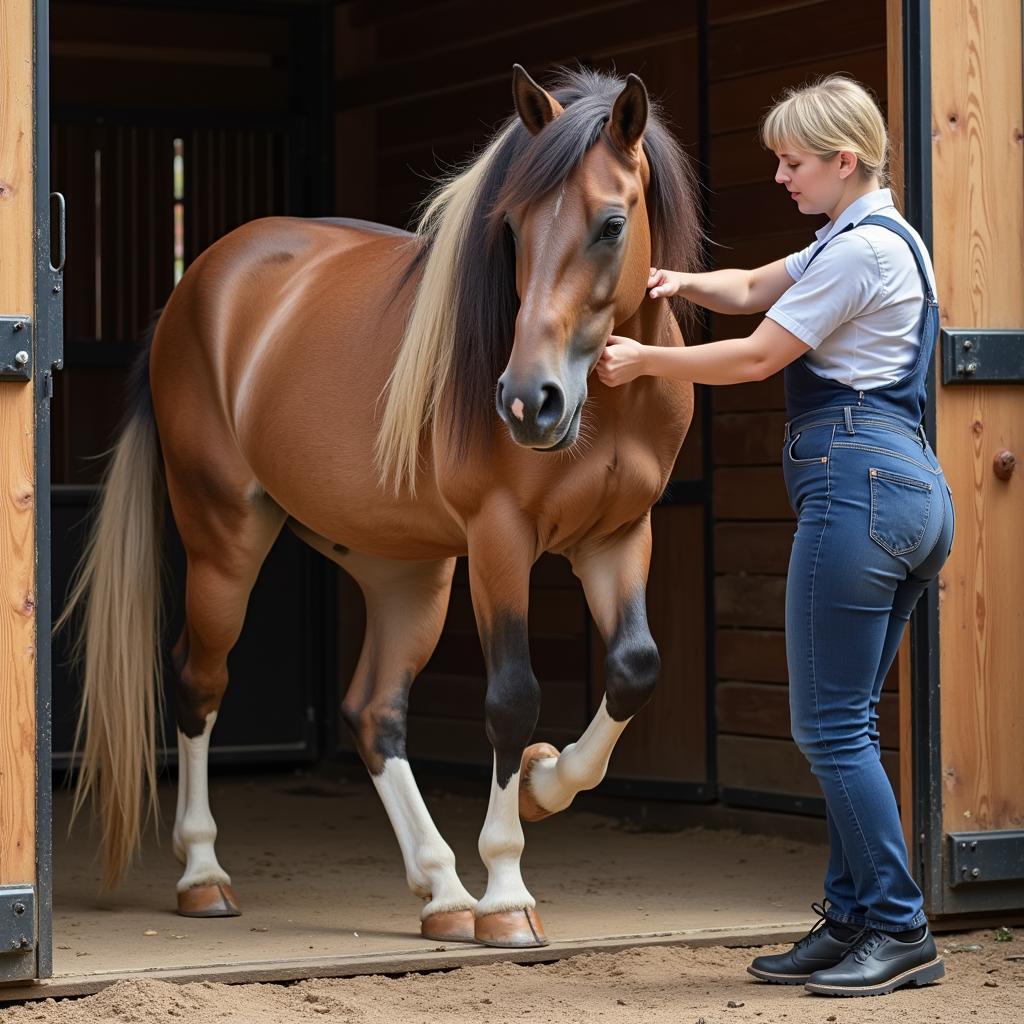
[(847, 163)]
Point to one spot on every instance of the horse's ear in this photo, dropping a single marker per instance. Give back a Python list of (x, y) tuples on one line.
[(536, 106), (629, 115)]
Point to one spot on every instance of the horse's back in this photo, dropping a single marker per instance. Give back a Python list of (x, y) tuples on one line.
[(267, 368)]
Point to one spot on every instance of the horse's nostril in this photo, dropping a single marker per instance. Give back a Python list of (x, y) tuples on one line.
[(552, 406)]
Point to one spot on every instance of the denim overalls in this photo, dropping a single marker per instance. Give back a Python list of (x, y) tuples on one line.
[(874, 526)]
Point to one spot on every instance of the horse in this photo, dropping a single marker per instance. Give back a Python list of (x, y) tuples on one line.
[(399, 399)]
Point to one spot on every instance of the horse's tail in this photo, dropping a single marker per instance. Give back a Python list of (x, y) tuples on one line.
[(117, 587)]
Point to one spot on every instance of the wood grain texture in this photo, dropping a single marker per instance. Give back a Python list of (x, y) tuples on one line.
[(978, 168), (17, 483)]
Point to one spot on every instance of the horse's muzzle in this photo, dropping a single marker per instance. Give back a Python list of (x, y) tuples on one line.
[(533, 411)]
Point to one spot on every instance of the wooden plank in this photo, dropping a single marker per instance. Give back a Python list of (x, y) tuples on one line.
[(465, 22), (248, 32), (756, 250), (778, 39), (762, 709), (749, 438), (755, 396), (758, 655), (978, 167), (666, 740), (564, 705), (753, 547), (764, 204), (775, 766), (753, 492), (741, 102), (601, 32), (746, 600), (17, 463)]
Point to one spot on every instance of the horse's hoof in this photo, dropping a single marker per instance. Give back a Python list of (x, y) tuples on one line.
[(511, 929), (213, 900), (449, 926), (529, 809)]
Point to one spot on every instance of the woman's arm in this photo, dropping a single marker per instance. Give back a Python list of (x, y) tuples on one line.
[(766, 351), (725, 291)]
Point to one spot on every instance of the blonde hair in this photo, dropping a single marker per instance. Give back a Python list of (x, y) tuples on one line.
[(832, 114)]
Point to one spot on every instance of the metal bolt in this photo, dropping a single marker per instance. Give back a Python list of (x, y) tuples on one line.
[(971, 368), (56, 288), (19, 908), (19, 325), (21, 358), (975, 872), (974, 844), (968, 344)]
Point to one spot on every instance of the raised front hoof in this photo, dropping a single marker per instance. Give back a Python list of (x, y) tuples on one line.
[(511, 929), (212, 900), (449, 926), (529, 809)]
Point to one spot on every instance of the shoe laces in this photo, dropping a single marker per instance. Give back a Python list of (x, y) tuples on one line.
[(822, 922), (864, 944)]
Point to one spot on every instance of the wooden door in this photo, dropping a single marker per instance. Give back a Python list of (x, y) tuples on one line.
[(26, 364), (968, 703)]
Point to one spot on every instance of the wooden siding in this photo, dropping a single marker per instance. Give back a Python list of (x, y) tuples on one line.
[(757, 49)]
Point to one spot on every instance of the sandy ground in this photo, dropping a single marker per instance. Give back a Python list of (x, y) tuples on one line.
[(650, 985)]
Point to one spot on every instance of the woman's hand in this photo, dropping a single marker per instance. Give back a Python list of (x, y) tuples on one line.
[(621, 361), (664, 283)]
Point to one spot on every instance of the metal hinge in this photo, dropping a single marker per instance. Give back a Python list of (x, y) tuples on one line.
[(17, 932), (16, 348), (971, 356), (996, 856)]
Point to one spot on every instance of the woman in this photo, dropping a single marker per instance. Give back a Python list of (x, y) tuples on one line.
[(853, 319)]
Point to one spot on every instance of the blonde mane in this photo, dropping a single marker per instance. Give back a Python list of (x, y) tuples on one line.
[(424, 362)]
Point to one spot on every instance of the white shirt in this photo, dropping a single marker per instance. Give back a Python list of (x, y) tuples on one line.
[(860, 304)]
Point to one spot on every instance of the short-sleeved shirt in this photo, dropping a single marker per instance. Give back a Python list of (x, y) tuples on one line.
[(859, 305)]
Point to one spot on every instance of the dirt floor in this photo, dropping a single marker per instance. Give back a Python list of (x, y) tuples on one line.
[(323, 892), (651, 985)]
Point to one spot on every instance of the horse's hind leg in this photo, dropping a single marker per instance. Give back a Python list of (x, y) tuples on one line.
[(614, 577), (406, 604), (225, 545)]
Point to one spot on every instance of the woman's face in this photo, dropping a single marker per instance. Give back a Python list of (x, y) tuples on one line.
[(815, 185)]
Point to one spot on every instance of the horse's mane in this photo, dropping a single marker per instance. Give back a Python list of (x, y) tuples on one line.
[(459, 334)]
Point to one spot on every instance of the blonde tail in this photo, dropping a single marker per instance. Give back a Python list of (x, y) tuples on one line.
[(117, 585)]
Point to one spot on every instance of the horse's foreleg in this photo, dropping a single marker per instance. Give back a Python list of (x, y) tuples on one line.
[(614, 577), (499, 569), (405, 611)]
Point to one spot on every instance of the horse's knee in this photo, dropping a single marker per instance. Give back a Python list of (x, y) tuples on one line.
[(512, 707), (379, 729), (631, 670)]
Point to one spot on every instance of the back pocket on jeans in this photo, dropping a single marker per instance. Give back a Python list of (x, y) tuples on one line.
[(900, 506)]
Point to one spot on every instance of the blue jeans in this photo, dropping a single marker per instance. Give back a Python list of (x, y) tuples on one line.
[(874, 526)]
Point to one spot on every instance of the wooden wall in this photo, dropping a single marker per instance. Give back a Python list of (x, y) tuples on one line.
[(756, 49)]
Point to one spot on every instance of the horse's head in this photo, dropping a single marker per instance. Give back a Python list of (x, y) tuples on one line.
[(526, 259), (582, 257)]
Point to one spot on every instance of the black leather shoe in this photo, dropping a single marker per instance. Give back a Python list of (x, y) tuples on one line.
[(878, 964), (815, 951)]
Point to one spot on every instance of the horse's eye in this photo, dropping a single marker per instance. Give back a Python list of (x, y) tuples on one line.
[(613, 228)]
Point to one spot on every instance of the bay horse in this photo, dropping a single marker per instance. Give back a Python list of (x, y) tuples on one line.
[(398, 400)]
